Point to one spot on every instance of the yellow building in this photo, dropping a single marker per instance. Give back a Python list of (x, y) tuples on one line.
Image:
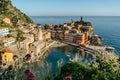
[(86, 37), (6, 56), (46, 36)]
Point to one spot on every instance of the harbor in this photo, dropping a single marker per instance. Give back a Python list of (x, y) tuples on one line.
[(53, 40), (39, 40)]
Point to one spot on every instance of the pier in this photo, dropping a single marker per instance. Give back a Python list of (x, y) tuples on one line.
[(91, 49), (81, 47)]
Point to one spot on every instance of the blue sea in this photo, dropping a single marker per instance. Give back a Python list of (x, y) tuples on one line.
[(108, 27)]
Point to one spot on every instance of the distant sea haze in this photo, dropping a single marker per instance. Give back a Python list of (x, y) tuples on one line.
[(108, 27)]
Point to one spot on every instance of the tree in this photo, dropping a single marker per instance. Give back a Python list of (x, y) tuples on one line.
[(19, 37)]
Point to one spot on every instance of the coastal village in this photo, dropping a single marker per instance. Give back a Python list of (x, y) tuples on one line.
[(21, 38), (67, 51), (32, 40)]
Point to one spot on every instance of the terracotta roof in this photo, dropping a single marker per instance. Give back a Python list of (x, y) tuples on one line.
[(1, 27), (8, 51)]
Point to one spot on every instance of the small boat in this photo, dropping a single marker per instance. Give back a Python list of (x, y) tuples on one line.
[(68, 55)]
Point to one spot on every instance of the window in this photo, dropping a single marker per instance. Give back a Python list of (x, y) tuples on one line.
[(5, 58)]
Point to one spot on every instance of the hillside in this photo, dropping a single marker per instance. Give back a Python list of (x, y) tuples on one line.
[(7, 10)]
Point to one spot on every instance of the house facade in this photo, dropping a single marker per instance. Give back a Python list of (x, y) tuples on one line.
[(8, 41), (4, 31), (36, 47)]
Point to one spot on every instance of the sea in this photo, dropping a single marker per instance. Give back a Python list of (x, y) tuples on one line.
[(107, 27)]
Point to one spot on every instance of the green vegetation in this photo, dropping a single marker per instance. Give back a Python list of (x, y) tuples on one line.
[(11, 12), (19, 37), (40, 69), (17, 19), (100, 69)]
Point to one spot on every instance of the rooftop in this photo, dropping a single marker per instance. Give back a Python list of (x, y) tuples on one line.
[(1, 27), (37, 43)]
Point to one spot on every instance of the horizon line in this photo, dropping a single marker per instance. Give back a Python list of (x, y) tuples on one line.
[(77, 15)]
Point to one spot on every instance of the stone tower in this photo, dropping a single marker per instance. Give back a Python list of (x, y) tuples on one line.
[(38, 35), (82, 19)]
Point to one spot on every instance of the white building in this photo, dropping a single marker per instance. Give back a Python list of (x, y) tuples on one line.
[(30, 37), (25, 44), (40, 34), (36, 47), (4, 31), (8, 41)]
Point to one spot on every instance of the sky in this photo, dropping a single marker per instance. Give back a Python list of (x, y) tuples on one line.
[(69, 7)]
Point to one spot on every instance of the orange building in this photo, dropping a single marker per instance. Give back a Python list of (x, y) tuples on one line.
[(7, 20), (86, 37), (80, 38), (46, 36), (65, 33), (70, 38)]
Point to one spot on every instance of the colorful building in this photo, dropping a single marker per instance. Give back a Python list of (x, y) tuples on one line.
[(70, 37), (38, 34), (8, 41), (78, 27), (46, 35), (86, 37), (64, 33), (6, 55), (72, 24), (7, 20), (61, 35), (80, 38), (53, 34), (25, 44)]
